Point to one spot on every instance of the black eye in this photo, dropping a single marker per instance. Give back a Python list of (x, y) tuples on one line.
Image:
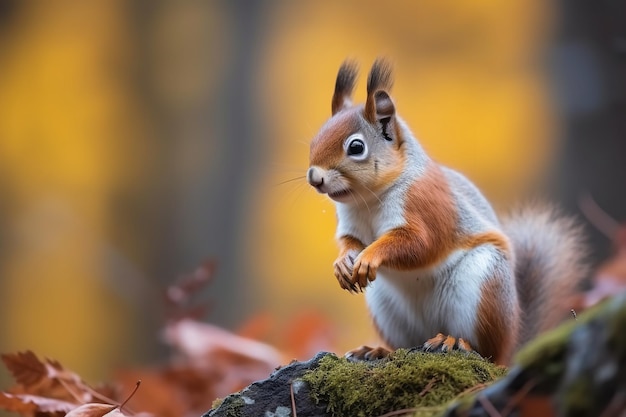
[(356, 147)]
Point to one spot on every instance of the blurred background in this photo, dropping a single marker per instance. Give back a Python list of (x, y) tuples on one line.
[(139, 139)]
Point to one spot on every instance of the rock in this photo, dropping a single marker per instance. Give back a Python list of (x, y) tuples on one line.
[(579, 369), (272, 397), (327, 385)]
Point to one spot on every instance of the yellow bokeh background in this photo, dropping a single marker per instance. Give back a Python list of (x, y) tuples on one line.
[(78, 130)]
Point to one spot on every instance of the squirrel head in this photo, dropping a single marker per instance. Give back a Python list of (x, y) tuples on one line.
[(358, 153)]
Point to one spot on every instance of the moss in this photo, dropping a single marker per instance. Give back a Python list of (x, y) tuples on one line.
[(216, 403), (231, 406), (546, 355), (617, 336), (404, 380)]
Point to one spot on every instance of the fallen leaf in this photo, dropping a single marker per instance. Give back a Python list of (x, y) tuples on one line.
[(200, 340), (25, 367), (91, 410), (26, 403), (9, 402), (158, 394), (115, 413)]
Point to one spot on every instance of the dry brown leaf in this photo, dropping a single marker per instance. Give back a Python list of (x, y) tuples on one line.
[(308, 332), (158, 394), (116, 412), (26, 404), (10, 402), (91, 410), (25, 367), (44, 387), (119, 413), (179, 297), (199, 341)]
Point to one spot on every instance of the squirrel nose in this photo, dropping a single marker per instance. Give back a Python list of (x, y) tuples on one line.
[(314, 177)]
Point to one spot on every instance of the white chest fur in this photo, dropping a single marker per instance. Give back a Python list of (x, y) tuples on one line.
[(409, 307), (369, 221)]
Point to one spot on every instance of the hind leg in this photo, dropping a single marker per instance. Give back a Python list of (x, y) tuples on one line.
[(366, 353), (479, 303)]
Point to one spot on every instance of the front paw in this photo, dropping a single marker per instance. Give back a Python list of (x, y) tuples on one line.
[(365, 268), (343, 267)]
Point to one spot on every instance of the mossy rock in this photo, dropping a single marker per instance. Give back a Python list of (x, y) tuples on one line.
[(578, 370), (331, 386)]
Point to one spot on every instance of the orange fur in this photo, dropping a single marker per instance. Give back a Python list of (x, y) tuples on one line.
[(493, 238), (327, 146), (428, 237), (391, 172), (347, 243), (497, 322), (430, 233)]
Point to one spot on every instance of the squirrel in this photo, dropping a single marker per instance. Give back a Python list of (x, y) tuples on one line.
[(438, 268)]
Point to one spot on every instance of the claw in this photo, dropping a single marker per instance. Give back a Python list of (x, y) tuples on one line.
[(443, 343)]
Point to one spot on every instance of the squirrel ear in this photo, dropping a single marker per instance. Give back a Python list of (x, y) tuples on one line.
[(384, 105), (379, 104), (344, 85)]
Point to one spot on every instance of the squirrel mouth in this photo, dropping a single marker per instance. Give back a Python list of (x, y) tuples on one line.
[(339, 194)]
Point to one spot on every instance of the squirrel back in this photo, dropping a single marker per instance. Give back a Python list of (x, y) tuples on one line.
[(549, 252)]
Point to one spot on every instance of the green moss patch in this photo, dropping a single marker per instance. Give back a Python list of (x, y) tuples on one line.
[(404, 380), (231, 405)]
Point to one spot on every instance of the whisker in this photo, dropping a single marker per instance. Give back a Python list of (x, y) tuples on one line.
[(364, 201), (353, 197), (373, 193), (299, 190), (290, 180)]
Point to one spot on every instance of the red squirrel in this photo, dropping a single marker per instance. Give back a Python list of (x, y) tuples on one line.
[(438, 268)]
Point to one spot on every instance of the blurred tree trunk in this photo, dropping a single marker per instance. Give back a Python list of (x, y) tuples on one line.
[(589, 64), (199, 63)]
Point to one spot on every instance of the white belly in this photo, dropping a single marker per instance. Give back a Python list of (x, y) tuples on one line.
[(409, 307)]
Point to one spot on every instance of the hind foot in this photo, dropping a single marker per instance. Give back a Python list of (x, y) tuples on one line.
[(442, 343), (366, 353)]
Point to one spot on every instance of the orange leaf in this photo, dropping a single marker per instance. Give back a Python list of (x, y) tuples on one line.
[(92, 410), (26, 404), (25, 367), (12, 403)]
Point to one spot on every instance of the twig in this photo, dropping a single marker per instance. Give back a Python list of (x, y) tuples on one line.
[(489, 408), (599, 218), (293, 400), (130, 396), (475, 388), (428, 387)]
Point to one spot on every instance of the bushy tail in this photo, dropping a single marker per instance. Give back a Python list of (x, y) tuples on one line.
[(550, 255)]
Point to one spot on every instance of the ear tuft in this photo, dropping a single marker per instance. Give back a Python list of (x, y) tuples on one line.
[(344, 86), (379, 104), (380, 76)]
